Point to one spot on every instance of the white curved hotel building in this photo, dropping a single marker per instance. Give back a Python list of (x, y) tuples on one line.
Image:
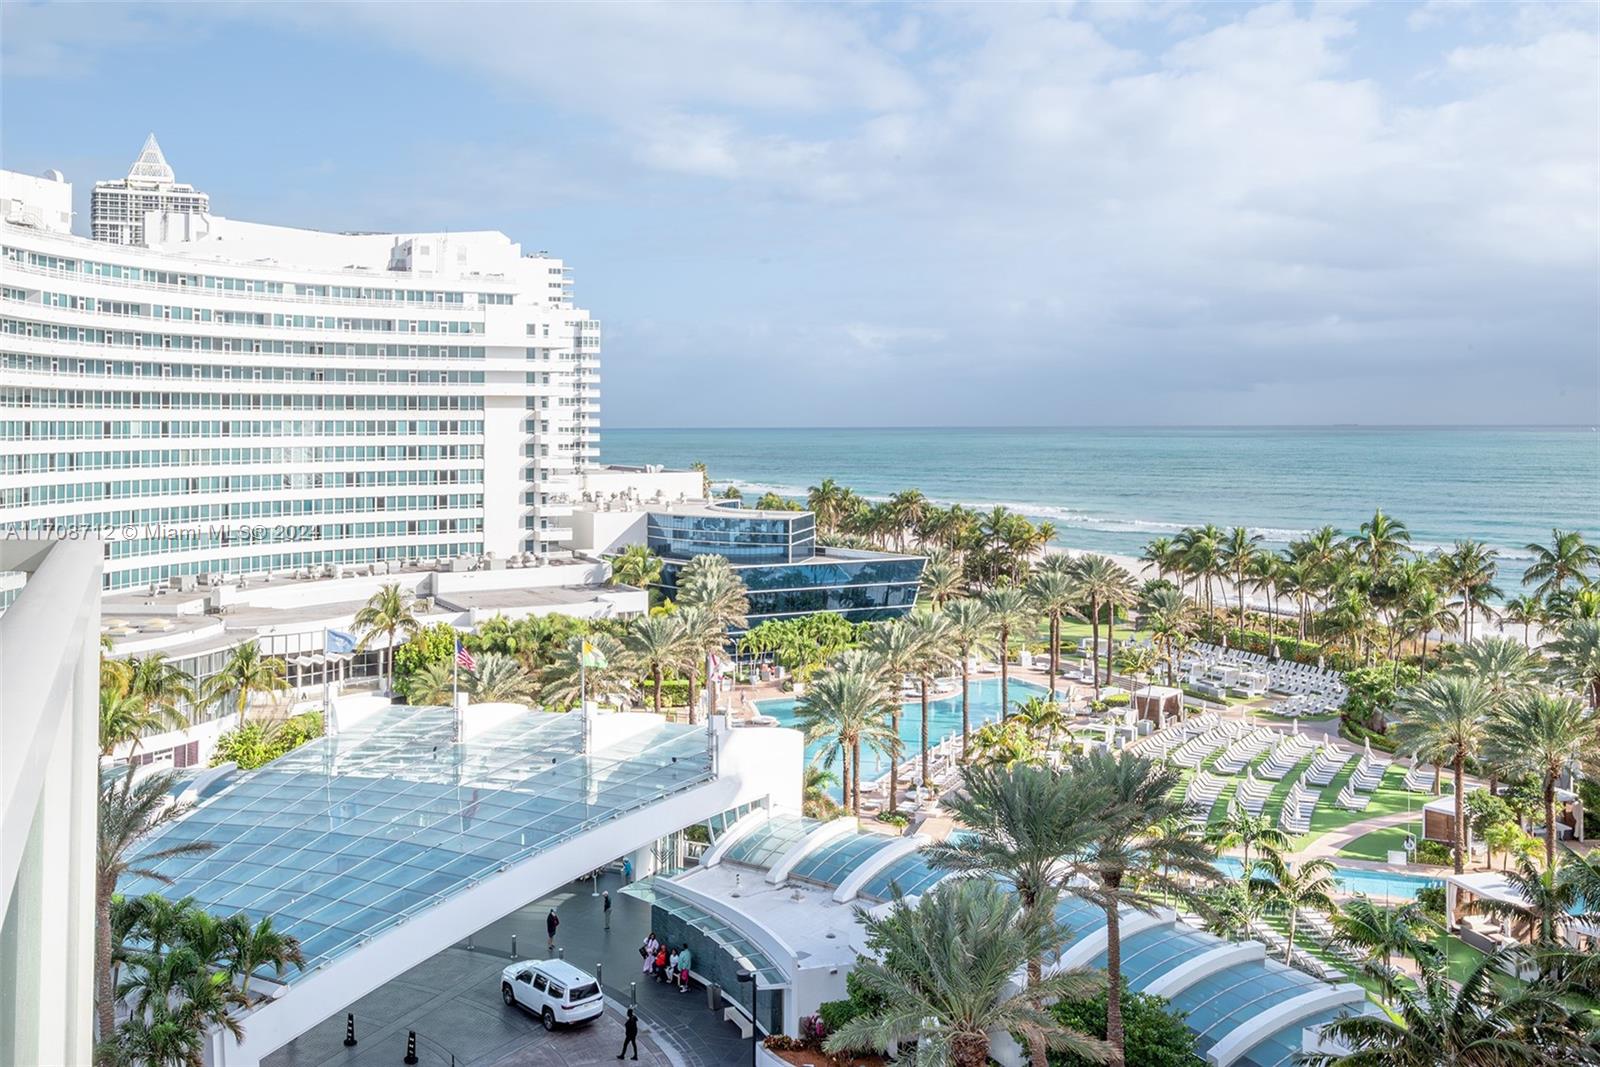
[(232, 399)]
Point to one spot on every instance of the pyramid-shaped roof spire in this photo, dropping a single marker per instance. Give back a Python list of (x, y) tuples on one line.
[(151, 166)]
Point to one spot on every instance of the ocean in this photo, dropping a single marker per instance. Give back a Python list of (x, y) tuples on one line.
[(1112, 490)]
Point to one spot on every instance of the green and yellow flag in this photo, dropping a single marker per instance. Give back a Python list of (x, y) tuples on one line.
[(590, 656)]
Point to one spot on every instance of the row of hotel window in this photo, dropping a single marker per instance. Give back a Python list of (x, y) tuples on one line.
[(39, 495), (26, 397), (170, 429), (91, 335), (352, 531), (278, 562), (237, 511), (220, 373), (277, 320), (119, 272), (130, 459)]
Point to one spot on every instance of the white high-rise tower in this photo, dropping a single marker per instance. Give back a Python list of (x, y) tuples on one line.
[(117, 208)]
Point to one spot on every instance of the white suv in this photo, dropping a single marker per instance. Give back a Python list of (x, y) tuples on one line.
[(554, 990)]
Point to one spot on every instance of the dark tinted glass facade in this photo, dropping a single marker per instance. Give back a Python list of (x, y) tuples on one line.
[(859, 589), (740, 538)]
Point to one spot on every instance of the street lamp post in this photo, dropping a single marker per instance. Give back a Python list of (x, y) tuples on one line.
[(750, 976)]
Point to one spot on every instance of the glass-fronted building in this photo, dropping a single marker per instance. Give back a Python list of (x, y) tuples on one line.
[(785, 571)]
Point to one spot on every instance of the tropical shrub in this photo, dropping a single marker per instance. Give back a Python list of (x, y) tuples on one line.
[(1354, 731), (1289, 646), (1154, 1035), (674, 692), (431, 644), (1430, 898), (1435, 852), (1373, 690), (894, 818), (257, 743)]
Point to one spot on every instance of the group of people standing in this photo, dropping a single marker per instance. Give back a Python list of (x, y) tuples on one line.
[(666, 964)]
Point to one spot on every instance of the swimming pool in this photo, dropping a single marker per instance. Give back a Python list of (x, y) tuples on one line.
[(944, 718), (1376, 884)]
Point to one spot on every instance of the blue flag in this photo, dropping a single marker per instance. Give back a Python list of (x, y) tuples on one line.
[(339, 642)]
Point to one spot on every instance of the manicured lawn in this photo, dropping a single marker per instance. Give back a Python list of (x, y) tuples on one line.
[(1389, 798), (1376, 845)]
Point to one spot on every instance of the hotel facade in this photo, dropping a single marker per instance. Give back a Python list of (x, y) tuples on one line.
[(230, 400)]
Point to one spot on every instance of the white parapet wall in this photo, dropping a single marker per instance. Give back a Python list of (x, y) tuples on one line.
[(49, 693)]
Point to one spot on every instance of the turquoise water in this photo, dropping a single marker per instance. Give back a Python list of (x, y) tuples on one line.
[(944, 718), (1112, 490), (1376, 884)]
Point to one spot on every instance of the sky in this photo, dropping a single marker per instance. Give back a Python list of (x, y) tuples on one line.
[(950, 214)]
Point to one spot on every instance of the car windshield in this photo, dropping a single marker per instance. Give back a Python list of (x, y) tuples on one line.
[(584, 992)]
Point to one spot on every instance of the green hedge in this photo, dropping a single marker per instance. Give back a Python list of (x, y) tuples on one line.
[(257, 743), (1355, 732), (674, 693)]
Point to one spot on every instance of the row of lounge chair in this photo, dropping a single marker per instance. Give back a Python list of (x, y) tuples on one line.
[(1251, 795), (1244, 749), (1286, 754), (1298, 807), (1194, 751), (1158, 744)]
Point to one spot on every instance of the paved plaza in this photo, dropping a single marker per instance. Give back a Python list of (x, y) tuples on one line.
[(453, 1001)]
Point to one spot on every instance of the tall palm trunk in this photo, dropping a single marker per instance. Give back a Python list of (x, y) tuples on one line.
[(1459, 767), (1111, 638), (966, 684), (1094, 650), (1549, 822), (104, 991), (927, 779), (655, 676), (1005, 672), (894, 761), (1055, 650), (855, 775), (1114, 1032), (970, 1049)]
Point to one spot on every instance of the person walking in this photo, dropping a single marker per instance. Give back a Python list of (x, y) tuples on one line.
[(550, 924), (630, 1035), (627, 870), (605, 906)]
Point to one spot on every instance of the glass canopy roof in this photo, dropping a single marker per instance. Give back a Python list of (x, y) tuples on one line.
[(762, 846), (346, 835), (832, 862), (727, 937)]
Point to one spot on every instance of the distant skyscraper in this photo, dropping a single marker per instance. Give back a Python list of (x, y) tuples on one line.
[(117, 208)]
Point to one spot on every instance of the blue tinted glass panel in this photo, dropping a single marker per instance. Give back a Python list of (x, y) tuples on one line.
[(1149, 954), (1219, 1002), (833, 861), (762, 846), (909, 873)]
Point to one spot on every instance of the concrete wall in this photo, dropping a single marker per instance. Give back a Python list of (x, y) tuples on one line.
[(49, 724)]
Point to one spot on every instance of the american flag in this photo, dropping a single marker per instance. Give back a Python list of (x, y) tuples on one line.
[(464, 658)]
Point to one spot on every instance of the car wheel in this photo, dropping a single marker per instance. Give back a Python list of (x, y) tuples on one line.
[(549, 1019), (506, 995)]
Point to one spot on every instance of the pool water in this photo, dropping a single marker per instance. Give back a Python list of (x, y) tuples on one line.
[(944, 718), (1376, 884)]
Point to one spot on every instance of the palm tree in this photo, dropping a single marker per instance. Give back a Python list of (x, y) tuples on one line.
[(124, 719), (826, 502), (1527, 612), (1444, 720), (1102, 583), (387, 612), (942, 581), (847, 705), (433, 684), (1127, 864), (1159, 553), (1425, 612), (129, 811), (246, 673), (1009, 611), (1054, 590), (711, 583), (940, 978), (930, 631), (1381, 932), (1549, 902), (253, 946), (565, 679), (898, 648), (1482, 1022), (705, 633), (497, 679), (1575, 658), (161, 686), (1238, 555), (1042, 716), (1544, 736), (1168, 616), (1380, 541), (637, 566), (1567, 558), (1294, 887), (657, 644), (1023, 820), (1241, 828), (971, 629), (1468, 571)]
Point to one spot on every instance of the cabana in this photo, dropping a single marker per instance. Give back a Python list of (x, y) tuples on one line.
[(1470, 902), (1159, 703)]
